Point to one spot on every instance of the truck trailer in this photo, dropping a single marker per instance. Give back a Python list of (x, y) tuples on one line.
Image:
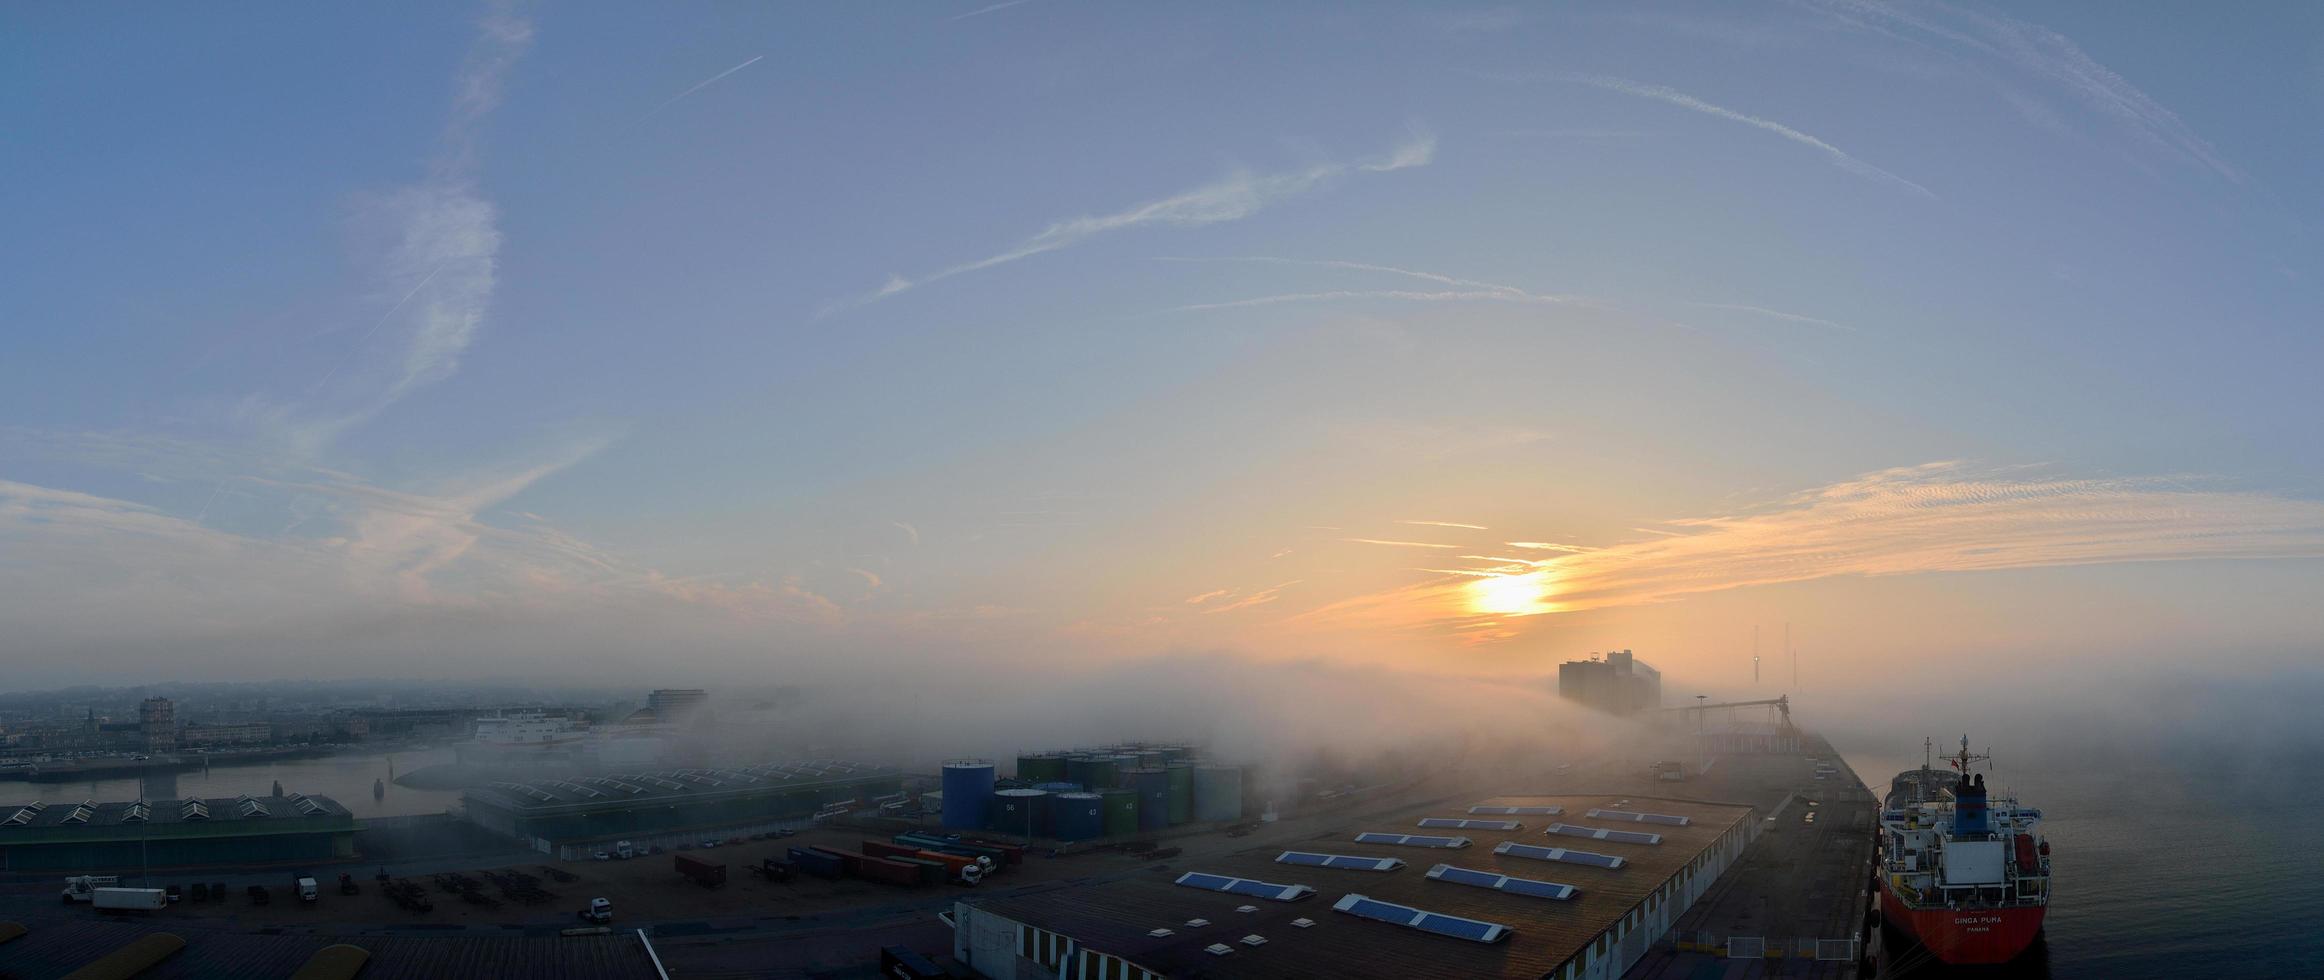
[(129, 899), (702, 872)]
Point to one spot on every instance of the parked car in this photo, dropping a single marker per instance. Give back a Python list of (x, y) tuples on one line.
[(601, 856), (709, 843), (173, 893)]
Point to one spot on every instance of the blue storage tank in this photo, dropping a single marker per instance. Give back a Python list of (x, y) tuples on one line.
[(1153, 789), (968, 793), (1078, 816), (1058, 787)]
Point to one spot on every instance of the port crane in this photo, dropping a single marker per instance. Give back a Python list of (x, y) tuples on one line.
[(1777, 707)]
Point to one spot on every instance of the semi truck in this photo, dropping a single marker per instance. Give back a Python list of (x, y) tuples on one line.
[(129, 899), (82, 888), (600, 911), (702, 872), (305, 886)]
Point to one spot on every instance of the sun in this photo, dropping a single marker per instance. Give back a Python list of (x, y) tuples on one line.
[(1510, 595)]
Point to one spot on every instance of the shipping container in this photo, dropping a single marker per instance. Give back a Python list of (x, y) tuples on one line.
[(848, 863), (904, 964), (702, 872), (892, 872), (821, 864)]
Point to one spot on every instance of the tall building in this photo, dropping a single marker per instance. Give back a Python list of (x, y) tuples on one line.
[(1620, 684), (675, 703), (157, 724)]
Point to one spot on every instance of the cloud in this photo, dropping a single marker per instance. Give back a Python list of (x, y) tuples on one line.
[(706, 83), (910, 532), (1399, 544), (1259, 598), (435, 245), (1773, 314), (1196, 600), (1472, 527), (2040, 52), (1938, 517), (1232, 198), (1465, 290), (981, 11), (1675, 97)]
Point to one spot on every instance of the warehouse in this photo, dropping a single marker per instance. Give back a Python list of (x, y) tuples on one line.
[(1560, 887), (91, 837), (572, 817)]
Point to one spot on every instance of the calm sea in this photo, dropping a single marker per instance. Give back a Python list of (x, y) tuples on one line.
[(2188, 867), (345, 778)]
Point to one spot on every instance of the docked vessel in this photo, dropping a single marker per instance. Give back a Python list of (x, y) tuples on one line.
[(521, 739), (1964, 872)]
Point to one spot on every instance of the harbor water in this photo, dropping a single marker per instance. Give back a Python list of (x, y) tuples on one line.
[(348, 778)]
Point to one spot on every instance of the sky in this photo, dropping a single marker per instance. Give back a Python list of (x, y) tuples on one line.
[(745, 342)]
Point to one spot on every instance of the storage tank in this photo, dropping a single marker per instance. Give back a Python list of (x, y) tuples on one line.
[(1121, 812), (1054, 788), (1181, 793), (1218, 793), (1153, 788), (1041, 767), (1176, 753), (1077, 769), (968, 793), (1079, 816), (1018, 811), (1104, 771), (1150, 759)]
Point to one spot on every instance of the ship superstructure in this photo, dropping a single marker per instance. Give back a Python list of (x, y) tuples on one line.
[(1964, 871)]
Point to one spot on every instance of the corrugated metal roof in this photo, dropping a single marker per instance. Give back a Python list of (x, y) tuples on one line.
[(616, 788)]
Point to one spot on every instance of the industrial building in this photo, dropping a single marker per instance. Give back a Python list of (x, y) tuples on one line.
[(1620, 684), (572, 817), (1115, 791), (1561, 887), (103, 838)]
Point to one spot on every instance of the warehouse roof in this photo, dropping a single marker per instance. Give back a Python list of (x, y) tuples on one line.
[(55, 948), (68, 815), (1403, 922), (659, 785)]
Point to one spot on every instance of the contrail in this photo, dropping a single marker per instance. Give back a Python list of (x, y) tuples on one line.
[(979, 12), (705, 83), (366, 338)]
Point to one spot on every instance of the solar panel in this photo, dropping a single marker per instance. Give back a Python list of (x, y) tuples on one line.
[(1595, 833), (1344, 862), (1412, 840), (1665, 819), (1450, 823), (1244, 886), (1513, 849), (1473, 930), (1517, 811), (1501, 882)]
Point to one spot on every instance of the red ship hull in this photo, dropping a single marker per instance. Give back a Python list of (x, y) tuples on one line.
[(1966, 936)]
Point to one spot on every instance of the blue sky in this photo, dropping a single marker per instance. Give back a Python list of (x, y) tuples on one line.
[(492, 337)]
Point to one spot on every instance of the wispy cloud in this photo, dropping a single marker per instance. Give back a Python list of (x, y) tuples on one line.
[(1464, 290), (1259, 598), (981, 11), (1399, 544), (910, 532), (1773, 314), (1939, 517), (1675, 97), (2039, 52), (706, 83), (439, 250), (1472, 527), (1235, 197)]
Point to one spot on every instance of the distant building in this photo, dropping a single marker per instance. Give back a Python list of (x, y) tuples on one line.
[(157, 722), (673, 704), (1620, 684), (248, 733)]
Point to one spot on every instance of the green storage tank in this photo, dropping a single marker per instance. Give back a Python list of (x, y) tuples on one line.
[(1181, 793), (1041, 767), (1121, 812)]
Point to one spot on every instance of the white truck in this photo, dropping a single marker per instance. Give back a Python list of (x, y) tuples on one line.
[(624, 850), (599, 911), (82, 888), (129, 899), (306, 889)]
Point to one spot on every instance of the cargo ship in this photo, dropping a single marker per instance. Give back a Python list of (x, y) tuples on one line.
[(1964, 872)]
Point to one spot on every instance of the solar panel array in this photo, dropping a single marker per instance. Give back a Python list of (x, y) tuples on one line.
[(1452, 823), (1592, 859), (1412, 840), (1634, 816), (1473, 930), (1244, 886), (1517, 811), (1344, 862), (1594, 833), (1502, 882)]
